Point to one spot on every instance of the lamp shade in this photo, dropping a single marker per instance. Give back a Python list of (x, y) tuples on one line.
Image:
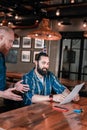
[(44, 32)]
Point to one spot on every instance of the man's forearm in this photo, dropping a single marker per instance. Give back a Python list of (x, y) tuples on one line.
[(66, 92), (1, 94), (39, 98)]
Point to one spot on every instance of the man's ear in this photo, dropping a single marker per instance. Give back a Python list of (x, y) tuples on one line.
[(35, 62)]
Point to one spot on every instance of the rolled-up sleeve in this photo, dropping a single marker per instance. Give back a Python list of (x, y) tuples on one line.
[(57, 86), (27, 97)]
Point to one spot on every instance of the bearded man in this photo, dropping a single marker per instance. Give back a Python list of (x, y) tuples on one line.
[(42, 83)]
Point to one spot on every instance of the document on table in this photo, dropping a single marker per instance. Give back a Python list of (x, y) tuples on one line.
[(72, 94)]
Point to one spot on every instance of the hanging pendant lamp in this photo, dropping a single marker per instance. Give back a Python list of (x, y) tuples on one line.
[(45, 32)]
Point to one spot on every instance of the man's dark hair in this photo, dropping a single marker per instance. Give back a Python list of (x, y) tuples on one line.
[(38, 56)]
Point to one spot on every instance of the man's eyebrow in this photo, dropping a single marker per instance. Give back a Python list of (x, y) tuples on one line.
[(11, 40)]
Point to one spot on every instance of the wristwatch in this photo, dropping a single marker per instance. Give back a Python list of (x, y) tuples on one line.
[(51, 97)]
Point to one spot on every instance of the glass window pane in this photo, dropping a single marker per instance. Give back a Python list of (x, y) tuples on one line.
[(70, 58), (76, 43), (84, 65)]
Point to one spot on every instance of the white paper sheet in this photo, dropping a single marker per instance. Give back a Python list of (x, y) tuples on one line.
[(72, 94)]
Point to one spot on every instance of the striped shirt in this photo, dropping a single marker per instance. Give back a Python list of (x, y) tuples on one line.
[(49, 84)]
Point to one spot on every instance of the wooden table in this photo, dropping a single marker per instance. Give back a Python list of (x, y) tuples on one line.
[(44, 117), (71, 83), (14, 75)]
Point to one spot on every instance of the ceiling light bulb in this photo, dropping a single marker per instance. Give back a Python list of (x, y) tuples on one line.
[(58, 12), (84, 23), (59, 23), (16, 16), (37, 21), (72, 1), (36, 34), (1, 24), (49, 35), (9, 23)]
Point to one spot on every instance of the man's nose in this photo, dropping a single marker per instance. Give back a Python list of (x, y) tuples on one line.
[(11, 44)]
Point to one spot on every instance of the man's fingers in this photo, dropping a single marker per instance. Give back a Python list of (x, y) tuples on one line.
[(77, 98), (16, 97), (26, 88), (11, 89), (25, 85)]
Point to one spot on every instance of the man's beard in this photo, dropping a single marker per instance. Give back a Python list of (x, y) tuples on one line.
[(42, 71), (4, 50)]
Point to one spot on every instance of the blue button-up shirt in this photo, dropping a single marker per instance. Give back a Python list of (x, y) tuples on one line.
[(49, 84), (2, 72)]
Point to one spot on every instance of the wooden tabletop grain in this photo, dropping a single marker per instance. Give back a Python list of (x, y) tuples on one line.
[(42, 116)]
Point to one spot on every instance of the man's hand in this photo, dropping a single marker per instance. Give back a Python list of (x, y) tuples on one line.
[(58, 97), (76, 98), (21, 87), (8, 94)]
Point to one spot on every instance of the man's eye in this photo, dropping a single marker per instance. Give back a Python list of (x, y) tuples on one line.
[(43, 63)]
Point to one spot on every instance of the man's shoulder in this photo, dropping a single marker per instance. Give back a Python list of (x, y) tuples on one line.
[(30, 73), (50, 73)]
